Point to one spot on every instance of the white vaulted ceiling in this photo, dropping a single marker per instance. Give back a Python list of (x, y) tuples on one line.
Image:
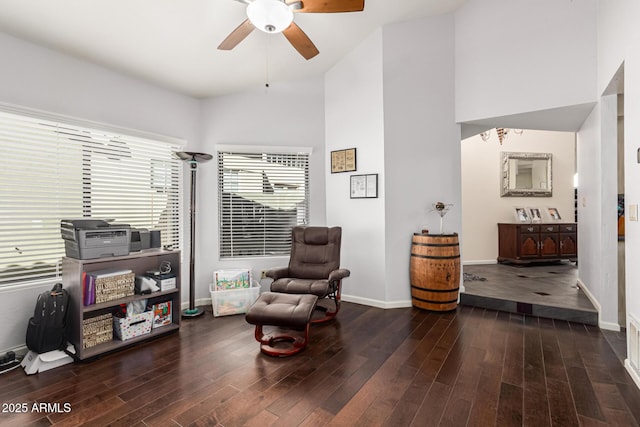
[(173, 43)]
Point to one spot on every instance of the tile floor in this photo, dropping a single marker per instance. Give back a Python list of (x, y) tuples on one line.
[(542, 290)]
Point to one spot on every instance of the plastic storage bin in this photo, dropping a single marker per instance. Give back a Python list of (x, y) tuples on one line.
[(233, 301), (126, 328), (232, 278)]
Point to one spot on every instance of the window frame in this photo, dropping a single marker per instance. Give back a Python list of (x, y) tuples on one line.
[(43, 119), (268, 152)]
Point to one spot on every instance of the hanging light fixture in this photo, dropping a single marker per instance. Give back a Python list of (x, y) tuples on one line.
[(270, 16), (502, 134)]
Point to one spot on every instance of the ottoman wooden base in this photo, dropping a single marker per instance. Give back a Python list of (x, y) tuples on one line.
[(289, 311)]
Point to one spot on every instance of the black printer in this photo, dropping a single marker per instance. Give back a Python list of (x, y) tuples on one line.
[(94, 238)]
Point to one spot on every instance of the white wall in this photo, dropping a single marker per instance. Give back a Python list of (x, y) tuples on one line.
[(597, 210), (481, 184), (38, 78), (608, 158), (421, 140), (523, 56), (588, 150), (354, 118), (285, 115), (618, 43), (393, 101)]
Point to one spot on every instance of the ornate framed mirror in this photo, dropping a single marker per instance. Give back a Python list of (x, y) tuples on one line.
[(526, 174)]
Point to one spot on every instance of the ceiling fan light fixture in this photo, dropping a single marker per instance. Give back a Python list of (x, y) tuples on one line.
[(270, 16)]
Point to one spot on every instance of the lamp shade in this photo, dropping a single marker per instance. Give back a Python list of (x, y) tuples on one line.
[(270, 16)]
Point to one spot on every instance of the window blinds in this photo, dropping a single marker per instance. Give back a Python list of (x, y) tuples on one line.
[(262, 195), (51, 171)]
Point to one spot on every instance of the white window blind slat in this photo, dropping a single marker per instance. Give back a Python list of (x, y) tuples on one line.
[(51, 170), (262, 195)]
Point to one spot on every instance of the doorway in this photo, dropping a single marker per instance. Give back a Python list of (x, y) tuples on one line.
[(542, 287)]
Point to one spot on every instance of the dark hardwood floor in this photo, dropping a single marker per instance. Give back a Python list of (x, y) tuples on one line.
[(401, 367)]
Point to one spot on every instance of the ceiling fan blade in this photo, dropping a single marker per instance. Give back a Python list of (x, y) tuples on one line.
[(300, 41), (237, 35), (329, 6)]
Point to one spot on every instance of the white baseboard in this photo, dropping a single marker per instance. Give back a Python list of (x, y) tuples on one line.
[(589, 295), (20, 351), (376, 303), (632, 372), (480, 262), (609, 326), (347, 298)]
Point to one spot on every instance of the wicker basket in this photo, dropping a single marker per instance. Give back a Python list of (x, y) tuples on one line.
[(97, 330), (115, 287)]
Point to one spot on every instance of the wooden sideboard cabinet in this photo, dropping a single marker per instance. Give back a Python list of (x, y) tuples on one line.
[(537, 242)]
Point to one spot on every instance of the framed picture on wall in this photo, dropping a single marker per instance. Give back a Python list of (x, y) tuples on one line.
[(343, 160), (364, 186), (522, 215)]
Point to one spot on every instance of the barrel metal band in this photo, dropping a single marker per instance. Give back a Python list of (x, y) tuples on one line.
[(436, 244), (435, 290), (435, 256), (436, 302)]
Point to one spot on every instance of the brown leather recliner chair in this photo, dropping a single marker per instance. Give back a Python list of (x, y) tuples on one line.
[(314, 268)]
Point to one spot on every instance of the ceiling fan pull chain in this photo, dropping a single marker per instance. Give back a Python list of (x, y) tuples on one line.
[(266, 66)]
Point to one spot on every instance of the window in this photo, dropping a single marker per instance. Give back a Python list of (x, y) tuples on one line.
[(51, 170), (262, 195)]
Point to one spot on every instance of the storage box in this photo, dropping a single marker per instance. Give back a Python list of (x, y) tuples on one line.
[(162, 314), (108, 285), (233, 301), (97, 330), (232, 279), (126, 328), (164, 281)]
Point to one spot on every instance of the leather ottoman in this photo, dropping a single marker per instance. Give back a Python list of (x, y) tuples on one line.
[(289, 311)]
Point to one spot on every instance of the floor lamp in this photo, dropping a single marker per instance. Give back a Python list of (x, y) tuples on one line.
[(193, 159)]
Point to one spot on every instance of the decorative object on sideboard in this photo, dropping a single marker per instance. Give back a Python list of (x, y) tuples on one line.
[(522, 214), (535, 214), (193, 159), (554, 215)]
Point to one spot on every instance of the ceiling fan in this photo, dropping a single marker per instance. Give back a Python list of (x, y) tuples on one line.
[(276, 16)]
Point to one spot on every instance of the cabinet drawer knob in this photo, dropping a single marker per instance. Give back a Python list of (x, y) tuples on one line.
[(529, 228), (549, 228)]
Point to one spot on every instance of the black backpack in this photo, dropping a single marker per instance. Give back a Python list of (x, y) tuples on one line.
[(47, 328)]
